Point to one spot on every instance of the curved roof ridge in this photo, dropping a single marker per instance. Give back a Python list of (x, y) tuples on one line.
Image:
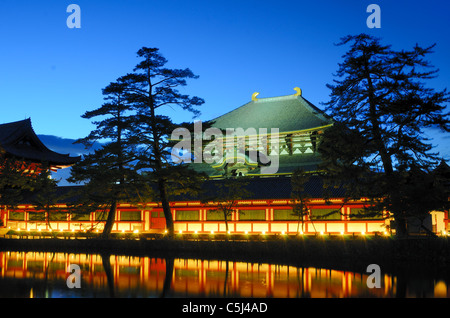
[(275, 98), (12, 133), (287, 113)]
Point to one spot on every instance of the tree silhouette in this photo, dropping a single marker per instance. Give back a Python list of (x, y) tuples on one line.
[(381, 106), (109, 171), (150, 89)]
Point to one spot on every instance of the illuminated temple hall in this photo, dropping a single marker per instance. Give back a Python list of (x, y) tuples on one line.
[(298, 123), (267, 211)]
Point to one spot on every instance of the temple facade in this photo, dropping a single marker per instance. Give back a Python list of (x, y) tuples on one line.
[(281, 135)]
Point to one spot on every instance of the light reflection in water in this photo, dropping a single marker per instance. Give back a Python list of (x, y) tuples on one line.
[(37, 274)]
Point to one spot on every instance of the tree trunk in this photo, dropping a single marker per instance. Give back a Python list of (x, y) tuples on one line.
[(2, 214), (225, 282), (225, 215), (159, 164), (168, 278), (110, 220), (401, 223), (376, 131), (109, 273), (166, 207), (401, 229)]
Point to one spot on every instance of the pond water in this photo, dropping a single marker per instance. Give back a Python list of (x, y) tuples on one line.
[(51, 275)]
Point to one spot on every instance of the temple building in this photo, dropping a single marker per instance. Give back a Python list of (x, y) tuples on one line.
[(18, 140), (272, 138), (282, 130), (20, 144)]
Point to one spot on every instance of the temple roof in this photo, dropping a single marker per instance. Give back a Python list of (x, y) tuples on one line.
[(287, 113), (278, 188), (258, 188), (18, 139)]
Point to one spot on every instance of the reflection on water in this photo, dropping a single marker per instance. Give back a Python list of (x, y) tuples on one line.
[(36, 274)]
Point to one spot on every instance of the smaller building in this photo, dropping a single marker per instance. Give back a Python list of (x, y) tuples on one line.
[(19, 142)]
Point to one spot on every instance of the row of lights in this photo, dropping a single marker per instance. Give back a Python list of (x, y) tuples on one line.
[(72, 230), (212, 232), (282, 232)]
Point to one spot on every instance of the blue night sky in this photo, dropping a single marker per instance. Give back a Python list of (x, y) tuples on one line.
[(53, 74)]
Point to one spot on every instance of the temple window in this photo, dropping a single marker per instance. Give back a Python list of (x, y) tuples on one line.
[(213, 215), (362, 214), (16, 216), (130, 215), (101, 215), (187, 215), (36, 216), (325, 214), (57, 216), (252, 215), (284, 215), (80, 216)]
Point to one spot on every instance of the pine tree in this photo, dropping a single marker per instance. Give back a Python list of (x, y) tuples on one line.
[(109, 171), (381, 105), (151, 88)]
